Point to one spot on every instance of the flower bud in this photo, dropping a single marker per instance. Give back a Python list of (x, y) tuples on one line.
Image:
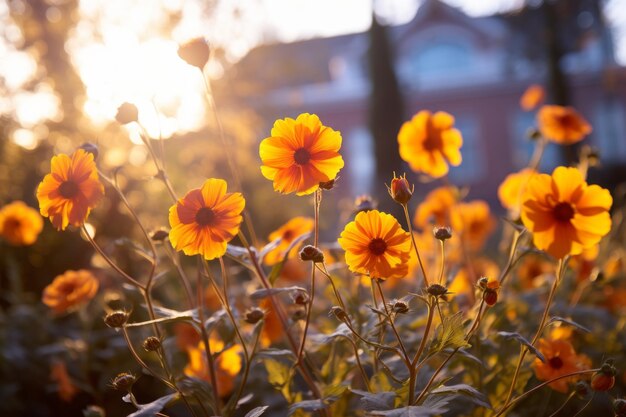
[(195, 52), (400, 189), (364, 203), (152, 344), (93, 411), (91, 148), (159, 235), (127, 113), (533, 134), (328, 185), (490, 290), (582, 390), (311, 253), (116, 319), (436, 290), (602, 382), (254, 315), (619, 406), (400, 307), (123, 381), (442, 233), (339, 313), (299, 297), (490, 297)]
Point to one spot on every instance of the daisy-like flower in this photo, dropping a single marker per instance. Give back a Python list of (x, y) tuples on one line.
[(206, 219), (287, 233), (564, 213), (69, 290), (227, 365), (376, 245), (512, 188), (300, 154), (532, 97), (71, 190), (429, 142), (561, 359), (562, 125), (436, 207), (473, 220), (19, 224)]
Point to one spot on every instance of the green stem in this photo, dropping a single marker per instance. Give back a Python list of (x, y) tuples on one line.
[(419, 258)]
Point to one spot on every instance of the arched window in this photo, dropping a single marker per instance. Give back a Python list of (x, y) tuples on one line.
[(442, 57)]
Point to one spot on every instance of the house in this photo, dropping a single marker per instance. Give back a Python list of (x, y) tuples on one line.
[(474, 68)]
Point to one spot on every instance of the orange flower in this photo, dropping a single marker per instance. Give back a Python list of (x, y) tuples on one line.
[(532, 97), (227, 365), (287, 233), (20, 224), (66, 389), (206, 219), (561, 359), (272, 329), (532, 269), (187, 336), (300, 154), (464, 282), (376, 244), (71, 190), (474, 222), (565, 214), (69, 290), (512, 188), (429, 142), (436, 207), (562, 125)]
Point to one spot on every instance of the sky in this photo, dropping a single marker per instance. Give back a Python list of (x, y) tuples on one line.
[(132, 59)]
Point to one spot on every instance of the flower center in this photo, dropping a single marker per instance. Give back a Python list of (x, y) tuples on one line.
[(377, 246), (67, 287), (556, 362), (288, 235), (563, 212), (205, 216), (433, 137), (68, 189), (301, 156)]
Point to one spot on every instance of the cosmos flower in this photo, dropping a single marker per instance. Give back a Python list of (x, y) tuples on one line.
[(565, 214), (206, 219), (474, 222), (70, 290), (532, 97), (436, 207), (300, 154), (227, 364), (376, 244), (71, 190), (562, 125), (20, 224), (429, 142), (511, 190), (287, 233), (561, 359)]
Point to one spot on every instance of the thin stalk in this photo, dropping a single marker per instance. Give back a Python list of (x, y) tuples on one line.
[(407, 361), (537, 154), (417, 252), (140, 361), (443, 259), (558, 410), (413, 365)]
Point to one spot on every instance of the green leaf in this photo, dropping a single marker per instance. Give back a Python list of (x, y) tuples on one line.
[(557, 319), (412, 411), (341, 331), (266, 292), (376, 401), (257, 411), (278, 373), (150, 409), (523, 341), (472, 393), (450, 334)]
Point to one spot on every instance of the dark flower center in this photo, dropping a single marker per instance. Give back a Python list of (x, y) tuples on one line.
[(377, 246), (288, 235), (68, 189), (67, 287), (563, 212), (12, 224), (302, 156), (433, 137), (556, 362), (205, 216)]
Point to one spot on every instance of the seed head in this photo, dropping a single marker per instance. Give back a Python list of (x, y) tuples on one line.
[(339, 313), (123, 381), (127, 113), (254, 315), (152, 344), (442, 233), (195, 52), (436, 290), (159, 235), (311, 253), (116, 319), (400, 307)]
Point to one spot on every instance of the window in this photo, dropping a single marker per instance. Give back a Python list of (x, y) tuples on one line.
[(609, 127), (442, 57), (474, 166), (360, 161)]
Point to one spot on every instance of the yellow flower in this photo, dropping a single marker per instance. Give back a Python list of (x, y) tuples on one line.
[(562, 125), (206, 219), (436, 207), (474, 222), (287, 233), (429, 142), (376, 244), (561, 359), (20, 224), (532, 97), (300, 154), (70, 290), (531, 269), (272, 330), (227, 365), (511, 190), (565, 214), (71, 190)]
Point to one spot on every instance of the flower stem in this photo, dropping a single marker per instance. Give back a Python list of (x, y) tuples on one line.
[(417, 252)]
